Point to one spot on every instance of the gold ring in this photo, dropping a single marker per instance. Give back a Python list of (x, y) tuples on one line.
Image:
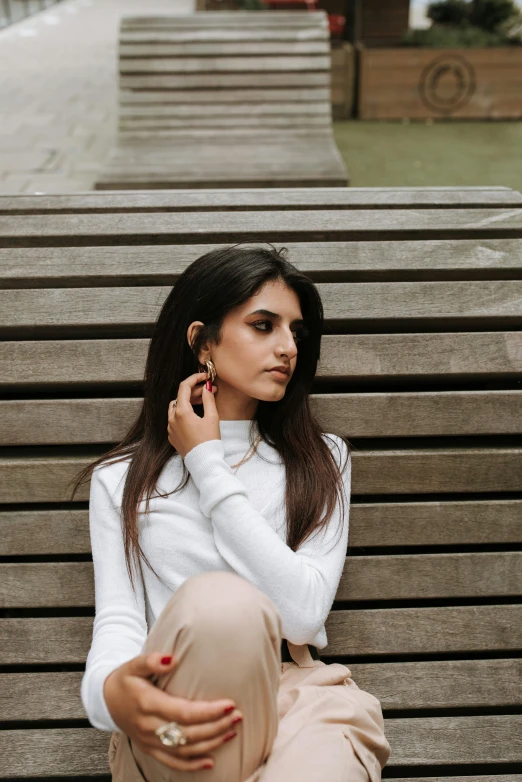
[(171, 734)]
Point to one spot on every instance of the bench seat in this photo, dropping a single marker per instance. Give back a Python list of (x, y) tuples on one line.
[(420, 367), (224, 100)]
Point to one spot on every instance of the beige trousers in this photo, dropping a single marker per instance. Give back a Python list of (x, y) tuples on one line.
[(303, 721)]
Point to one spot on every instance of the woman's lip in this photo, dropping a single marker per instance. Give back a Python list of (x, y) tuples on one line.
[(279, 375)]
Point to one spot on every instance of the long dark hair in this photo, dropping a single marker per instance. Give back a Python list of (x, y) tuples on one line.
[(206, 291)]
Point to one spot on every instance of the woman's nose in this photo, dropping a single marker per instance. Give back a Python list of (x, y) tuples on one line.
[(288, 347)]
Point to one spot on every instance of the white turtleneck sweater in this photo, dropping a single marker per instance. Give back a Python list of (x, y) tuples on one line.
[(221, 520)]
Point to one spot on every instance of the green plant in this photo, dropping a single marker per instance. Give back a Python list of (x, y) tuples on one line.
[(252, 5), (454, 12), (491, 14), (513, 30), (469, 23)]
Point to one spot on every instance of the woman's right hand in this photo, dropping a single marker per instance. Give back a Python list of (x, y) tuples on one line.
[(138, 708)]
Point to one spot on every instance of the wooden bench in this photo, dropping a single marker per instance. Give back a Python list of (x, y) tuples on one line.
[(421, 368), (238, 99)]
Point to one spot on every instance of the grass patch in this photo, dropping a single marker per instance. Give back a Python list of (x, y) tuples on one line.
[(417, 154)]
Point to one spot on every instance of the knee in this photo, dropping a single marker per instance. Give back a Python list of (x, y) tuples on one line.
[(224, 603)]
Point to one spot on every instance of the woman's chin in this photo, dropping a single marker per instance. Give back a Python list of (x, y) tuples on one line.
[(273, 394)]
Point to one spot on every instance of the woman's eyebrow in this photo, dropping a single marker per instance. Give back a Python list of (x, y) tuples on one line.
[(298, 321)]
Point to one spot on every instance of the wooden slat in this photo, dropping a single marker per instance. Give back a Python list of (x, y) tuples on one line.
[(196, 81), (41, 480), (218, 98), (462, 223), (437, 470), (40, 584), (92, 421), (427, 576), (441, 684), (25, 532), (441, 630), (84, 421), (485, 302), (398, 577), (105, 265), (215, 118), (239, 19), (53, 365), (377, 632), (424, 685), (223, 64), (246, 46), (447, 523), (222, 34), (415, 742), (103, 361), (53, 640), (415, 355), (218, 123), (62, 753), (312, 161), (41, 696), (404, 524), (217, 110), (406, 413), (267, 198), (408, 471), (444, 740)]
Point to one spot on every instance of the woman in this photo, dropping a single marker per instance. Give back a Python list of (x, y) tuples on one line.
[(219, 530)]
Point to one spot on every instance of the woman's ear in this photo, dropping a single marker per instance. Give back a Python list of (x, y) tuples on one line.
[(192, 332)]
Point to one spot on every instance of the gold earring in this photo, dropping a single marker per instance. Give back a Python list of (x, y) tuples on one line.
[(211, 369)]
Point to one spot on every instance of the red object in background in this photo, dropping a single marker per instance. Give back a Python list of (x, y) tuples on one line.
[(336, 24)]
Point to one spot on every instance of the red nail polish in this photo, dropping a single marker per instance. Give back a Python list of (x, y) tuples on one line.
[(208, 385), (230, 736), (229, 709), (237, 719), (208, 765), (166, 660)]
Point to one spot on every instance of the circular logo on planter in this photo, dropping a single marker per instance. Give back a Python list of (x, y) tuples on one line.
[(447, 83)]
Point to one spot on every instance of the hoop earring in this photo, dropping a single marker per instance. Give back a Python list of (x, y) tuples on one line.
[(211, 369)]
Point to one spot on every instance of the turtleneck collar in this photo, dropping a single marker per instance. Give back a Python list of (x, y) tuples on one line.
[(235, 435)]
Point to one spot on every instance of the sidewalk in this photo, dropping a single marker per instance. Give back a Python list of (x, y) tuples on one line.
[(58, 92)]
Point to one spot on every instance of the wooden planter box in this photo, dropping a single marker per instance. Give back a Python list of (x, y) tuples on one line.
[(446, 83), (343, 80)]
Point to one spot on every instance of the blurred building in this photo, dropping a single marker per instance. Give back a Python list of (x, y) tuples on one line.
[(375, 22)]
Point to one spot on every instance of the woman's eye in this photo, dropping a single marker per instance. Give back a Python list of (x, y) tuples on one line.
[(261, 323), (298, 333)]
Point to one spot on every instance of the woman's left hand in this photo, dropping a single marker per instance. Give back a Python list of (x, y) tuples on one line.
[(185, 428)]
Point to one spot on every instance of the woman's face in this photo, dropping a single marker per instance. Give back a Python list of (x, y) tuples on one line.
[(252, 344)]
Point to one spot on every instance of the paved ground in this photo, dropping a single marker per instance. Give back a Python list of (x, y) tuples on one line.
[(58, 93)]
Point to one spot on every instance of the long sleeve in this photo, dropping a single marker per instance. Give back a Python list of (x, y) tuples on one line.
[(301, 584), (120, 627)]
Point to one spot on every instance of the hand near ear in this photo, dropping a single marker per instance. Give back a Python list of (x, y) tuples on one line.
[(185, 428)]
